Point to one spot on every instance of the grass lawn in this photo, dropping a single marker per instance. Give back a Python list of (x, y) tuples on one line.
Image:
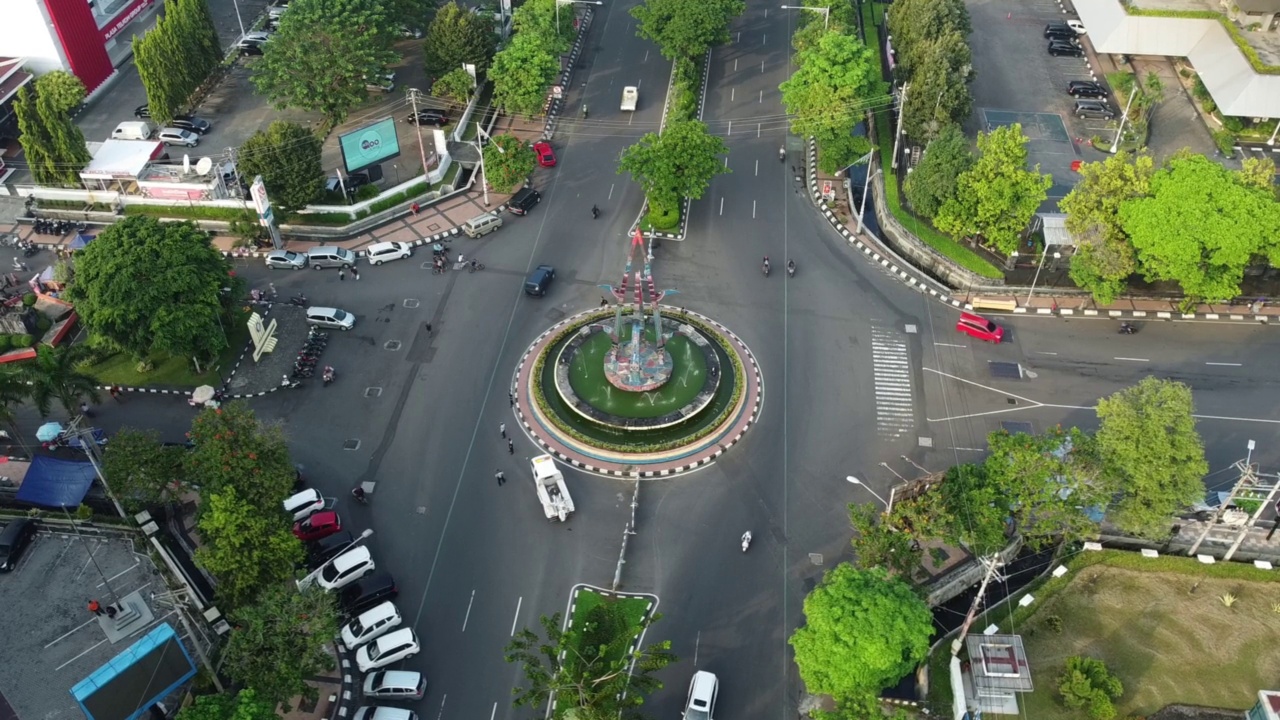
[(633, 608), (1166, 635), (121, 369)]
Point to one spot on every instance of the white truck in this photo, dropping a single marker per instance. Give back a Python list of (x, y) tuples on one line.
[(630, 94), (556, 503)]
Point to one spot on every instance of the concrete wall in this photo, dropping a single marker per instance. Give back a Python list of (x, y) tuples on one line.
[(28, 33)]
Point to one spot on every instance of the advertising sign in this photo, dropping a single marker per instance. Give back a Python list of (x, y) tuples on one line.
[(258, 191), (369, 145)]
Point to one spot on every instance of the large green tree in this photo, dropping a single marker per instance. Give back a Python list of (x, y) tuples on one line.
[(142, 470), (591, 670), (55, 149), (57, 374), (933, 182), (508, 160), (683, 29), (521, 74), (459, 36), (1104, 257), (280, 641), (679, 163), (243, 705), (455, 85), (232, 449), (287, 156), (323, 53), (876, 544), (863, 631), (835, 81), (1200, 226), (176, 56), (153, 287), (1148, 445), (939, 94), (915, 24), (536, 21), (996, 198), (247, 547)]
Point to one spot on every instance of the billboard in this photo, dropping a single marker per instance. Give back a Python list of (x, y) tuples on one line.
[(369, 145)]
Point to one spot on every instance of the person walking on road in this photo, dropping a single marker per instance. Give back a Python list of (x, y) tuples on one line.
[(355, 273), (511, 398), (342, 274), (502, 428), (501, 477), (95, 607), (511, 447)]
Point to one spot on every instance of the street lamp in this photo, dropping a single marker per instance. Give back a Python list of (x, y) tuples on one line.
[(1034, 280), (236, 3), (305, 582), (569, 2), (856, 481), (826, 12)]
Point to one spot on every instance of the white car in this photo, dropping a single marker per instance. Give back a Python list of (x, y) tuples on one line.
[(1077, 26), (393, 646), (379, 253), (382, 712), (370, 624), (346, 568), (302, 504), (328, 317), (178, 136), (701, 704)]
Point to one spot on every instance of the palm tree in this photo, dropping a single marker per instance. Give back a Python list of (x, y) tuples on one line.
[(13, 392), (55, 375)]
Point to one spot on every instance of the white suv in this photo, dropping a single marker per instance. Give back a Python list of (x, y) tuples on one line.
[(346, 568), (393, 646), (701, 704), (379, 253), (370, 624)]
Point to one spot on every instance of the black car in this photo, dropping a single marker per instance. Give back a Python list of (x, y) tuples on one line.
[(539, 280), (1059, 48), (367, 592), (428, 117), (352, 182), (142, 112), (14, 540), (250, 49), (326, 549), (524, 200), (1059, 30), (1086, 89), (199, 126)]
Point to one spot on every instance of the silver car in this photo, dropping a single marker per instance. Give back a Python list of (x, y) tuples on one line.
[(328, 317), (178, 136), (286, 260)]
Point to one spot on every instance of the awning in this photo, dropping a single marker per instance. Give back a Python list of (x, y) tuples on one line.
[(55, 483), (79, 241)]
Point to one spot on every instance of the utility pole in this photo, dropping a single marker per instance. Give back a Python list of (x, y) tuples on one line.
[(897, 136), (91, 451), (1115, 146), (959, 709), (422, 153)]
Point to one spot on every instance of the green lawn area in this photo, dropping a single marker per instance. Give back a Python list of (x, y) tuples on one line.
[(121, 369), (633, 608), (1164, 631)]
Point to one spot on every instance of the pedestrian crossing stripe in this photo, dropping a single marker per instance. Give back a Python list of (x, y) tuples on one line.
[(891, 366)]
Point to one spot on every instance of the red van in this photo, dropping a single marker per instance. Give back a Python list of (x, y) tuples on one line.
[(979, 327)]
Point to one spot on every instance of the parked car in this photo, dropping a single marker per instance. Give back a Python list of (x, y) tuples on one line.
[(1059, 30), (346, 569), (379, 253), (366, 593), (301, 505), (352, 182), (286, 260), (1062, 48), (428, 117), (370, 624), (382, 712), (523, 201), (546, 156), (380, 83), (327, 317), (322, 551), (1094, 109), (197, 125), (701, 701), (389, 648), (395, 685), (1086, 89), (142, 112), (1077, 26), (176, 136), (976, 326), (14, 541), (319, 525), (539, 280), (252, 43)]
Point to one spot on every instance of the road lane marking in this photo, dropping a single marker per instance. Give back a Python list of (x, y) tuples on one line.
[(1042, 352), (891, 372), (1132, 359), (950, 345), (442, 702), (611, 187), (761, 101), (722, 206), (729, 131), (732, 92), (753, 209), (516, 619), (757, 159), (696, 643), (468, 615), (735, 64), (1224, 364), (494, 714)]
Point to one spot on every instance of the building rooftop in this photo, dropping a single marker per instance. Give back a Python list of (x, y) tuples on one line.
[(999, 662)]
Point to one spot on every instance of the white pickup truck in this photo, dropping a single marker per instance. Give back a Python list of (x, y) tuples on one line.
[(630, 94), (554, 496)]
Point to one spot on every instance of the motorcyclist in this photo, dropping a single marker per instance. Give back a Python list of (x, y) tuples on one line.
[(766, 263), (595, 211), (791, 267), (782, 153), (358, 493), (461, 259), (584, 110)]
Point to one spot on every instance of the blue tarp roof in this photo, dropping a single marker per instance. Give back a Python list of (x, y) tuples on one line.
[(55, 483), (79, 241)]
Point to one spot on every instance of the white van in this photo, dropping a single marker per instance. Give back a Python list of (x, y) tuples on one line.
[(132, 130), (482, 225)]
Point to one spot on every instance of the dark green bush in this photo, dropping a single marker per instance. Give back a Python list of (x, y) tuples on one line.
[(23, 341), (367, 192), (5, 343), (663, 216), (29, 299), (1233, 123), (43, 324)]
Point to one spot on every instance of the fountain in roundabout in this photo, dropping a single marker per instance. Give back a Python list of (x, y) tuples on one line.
[(636, 382)]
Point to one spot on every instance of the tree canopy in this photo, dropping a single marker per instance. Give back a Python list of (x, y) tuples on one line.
[(508, 160), (153, 287), (1148, 445), (458, 36), (231, 448), (1200, 226), (521, 74), (176, 56), (996, 198), (56, 374), (279, 641), (679, 163), (915, 24), (1104, 257), (863, 631), (683, 29), (246, 547), (933, 182), (244, 705), (455, 85), (835, 80), (536, 20), (939, 94), (287, 156), (323, 54), (52, 143), (141, 468)]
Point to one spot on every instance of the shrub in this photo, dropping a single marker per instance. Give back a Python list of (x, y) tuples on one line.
[(1087, 683), (1225, 140), (1233, 123), (1054, 623), (663, 216), (28, 300), (43, 324), (23, 341), (5, 343)]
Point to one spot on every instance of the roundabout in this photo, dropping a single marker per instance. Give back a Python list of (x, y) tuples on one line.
[(639, 389)]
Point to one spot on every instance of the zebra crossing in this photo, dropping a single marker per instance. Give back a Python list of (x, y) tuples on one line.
[(891, 364)]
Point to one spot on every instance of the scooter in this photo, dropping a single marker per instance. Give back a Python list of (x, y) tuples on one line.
[(300, 300), (359, 494), (746, 540), (791, 269), (328, 375), (1128, 328), (287, 383)]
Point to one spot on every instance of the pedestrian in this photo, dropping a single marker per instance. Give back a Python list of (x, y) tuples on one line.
[(501, 477), (511, 447), (84, 410), (355, 273), (111, 612), (511, 398), (414, 209), (502, 428), (95, 607), (342, 274), (428, 329), (604, 301), (115, 393)]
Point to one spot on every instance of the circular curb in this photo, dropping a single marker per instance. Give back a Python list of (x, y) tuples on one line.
[(714, 446)]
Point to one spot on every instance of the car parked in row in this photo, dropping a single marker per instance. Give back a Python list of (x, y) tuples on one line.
[(379, 253), (331, 318), (1094, 109), (317, 526), (395, 685), (701, 701), (302, 504), (177, 136), (323, 550), (1063, 48), (382, 712), (346, 568), (523, 201), (286, 260), (389, 648), (191, 123), (366, 593), (428, 117), (546, 156), (14, 541), (370, 624), (1086, 89), (1059, 31)]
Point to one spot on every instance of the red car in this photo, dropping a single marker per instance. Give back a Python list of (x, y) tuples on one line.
[(546, 156), (318, 525), (979, 327)]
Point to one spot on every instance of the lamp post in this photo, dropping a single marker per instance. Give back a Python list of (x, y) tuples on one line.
[(856, 481), (236, 4), (305, 582), (826, 13), (1040, 267), (570, 2)]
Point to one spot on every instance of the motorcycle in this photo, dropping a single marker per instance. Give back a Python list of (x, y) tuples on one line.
[(476, 266), (328, 375), (765, 269), (746, 540), (782, 154), (791, 269), (595, 212), (299, 300), (1128, 328), (262, 296), (30, 250), (287, 383), (359, 494)]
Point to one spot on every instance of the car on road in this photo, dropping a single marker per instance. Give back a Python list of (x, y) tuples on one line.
[(286, 260), (194, 124), (976, 326), (346, 568), (379, 253), (327, 317), (370, 624), (1086, 89), (523, 201), (428, 117), (318, 526), (1062, 48), (701, 702), (539, 280), (546, 156), (366, 593), (382, 712), (389, 648), (1094, 109), (395, 685), (14, 540), (178, 136)]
